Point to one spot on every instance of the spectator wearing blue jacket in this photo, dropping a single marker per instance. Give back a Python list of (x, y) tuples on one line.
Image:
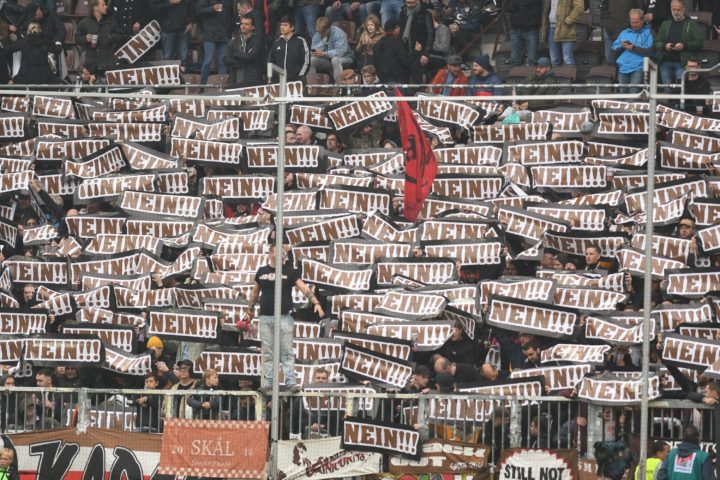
[(483, 73), (631, 46), (331, 52)]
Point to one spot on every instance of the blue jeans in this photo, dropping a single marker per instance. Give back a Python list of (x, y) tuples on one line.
[(344, 12), (287, 357), (671, 72), (627, 78), (558, 49), (305, 18), (175, 45), (390, 10), (210, 48), (609, 54), (520, 42)]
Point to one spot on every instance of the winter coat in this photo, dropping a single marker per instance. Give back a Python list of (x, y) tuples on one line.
[(367, 49), (524, 15), (629, 61), (336, 44), (614, 17), (391, 60), (293, 55), (692, 39), (466, 15), (216, 26), (110, 38), (34, 67), (568, 12), (53, 29), (421, 30), (173, 18), (684, 450), (491, 79), (440, 79), (547, 79), (129, 12), (196, 401), (246, 59)]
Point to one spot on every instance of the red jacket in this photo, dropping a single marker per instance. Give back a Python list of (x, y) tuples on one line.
[(441, 78)]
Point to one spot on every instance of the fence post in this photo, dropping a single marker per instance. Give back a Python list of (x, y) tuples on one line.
[(594, 427), (423, 414), (515, 424), (83, 418)]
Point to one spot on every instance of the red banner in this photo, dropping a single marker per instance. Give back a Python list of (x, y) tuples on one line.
[(420, 163), (215, 448)]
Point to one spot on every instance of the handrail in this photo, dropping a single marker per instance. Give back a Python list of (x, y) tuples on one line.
[(682, 80)]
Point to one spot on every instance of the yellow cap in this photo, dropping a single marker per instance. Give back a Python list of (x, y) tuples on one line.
[(154, 342)]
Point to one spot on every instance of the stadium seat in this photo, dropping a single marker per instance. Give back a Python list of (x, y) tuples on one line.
[(587, 55), (69, 33), (192, 79), (503, 57), (601, 74), (704, 19), (24, 3), (219, 79), (709, 54), (82, 9), (565, 75), (319, 79), (349, 28), (518, 74), (714, 79), (583, 28)]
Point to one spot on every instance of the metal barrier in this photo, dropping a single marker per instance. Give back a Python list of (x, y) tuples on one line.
[(499, 422)]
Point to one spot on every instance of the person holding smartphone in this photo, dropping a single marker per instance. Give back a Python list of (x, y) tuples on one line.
[(678, 39), (630, 47)]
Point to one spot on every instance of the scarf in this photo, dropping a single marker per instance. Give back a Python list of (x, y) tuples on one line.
[(408, 24)]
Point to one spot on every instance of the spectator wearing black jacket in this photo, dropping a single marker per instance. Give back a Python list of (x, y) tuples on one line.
[(176, 20), (245, 55), (290, 52), (206, 406), (53, 29), (130, 15), (459, 348), (148, 407), (524, 17), (216, 19), (100, 36), (417, 33), (391, 59), (34, 66)]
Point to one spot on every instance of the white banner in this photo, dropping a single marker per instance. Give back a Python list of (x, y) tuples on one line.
[(323, 458)]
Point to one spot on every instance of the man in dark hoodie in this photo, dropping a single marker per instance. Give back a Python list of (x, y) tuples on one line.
[(176, 21), (391, 59), (687, 461), (524, 16)]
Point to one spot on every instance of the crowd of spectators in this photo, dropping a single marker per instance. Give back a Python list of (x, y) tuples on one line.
[(411, 42)]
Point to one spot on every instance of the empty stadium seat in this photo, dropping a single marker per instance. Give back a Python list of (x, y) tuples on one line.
[(349, 28), (587, 55), (601, 74), (503, 60), (714, 79), (69, 33), (583, 28), (709, 54), (319, 79), (218, 82), (192, 79), (518, 74), (82, 9), (704, 19)]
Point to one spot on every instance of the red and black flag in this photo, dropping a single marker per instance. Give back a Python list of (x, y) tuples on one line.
[(420, 162)]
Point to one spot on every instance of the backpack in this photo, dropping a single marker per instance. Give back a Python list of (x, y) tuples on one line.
[(613, 459)]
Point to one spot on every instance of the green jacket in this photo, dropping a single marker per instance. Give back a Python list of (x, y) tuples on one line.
[(568, 12), (547, 79), (692, 39)]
